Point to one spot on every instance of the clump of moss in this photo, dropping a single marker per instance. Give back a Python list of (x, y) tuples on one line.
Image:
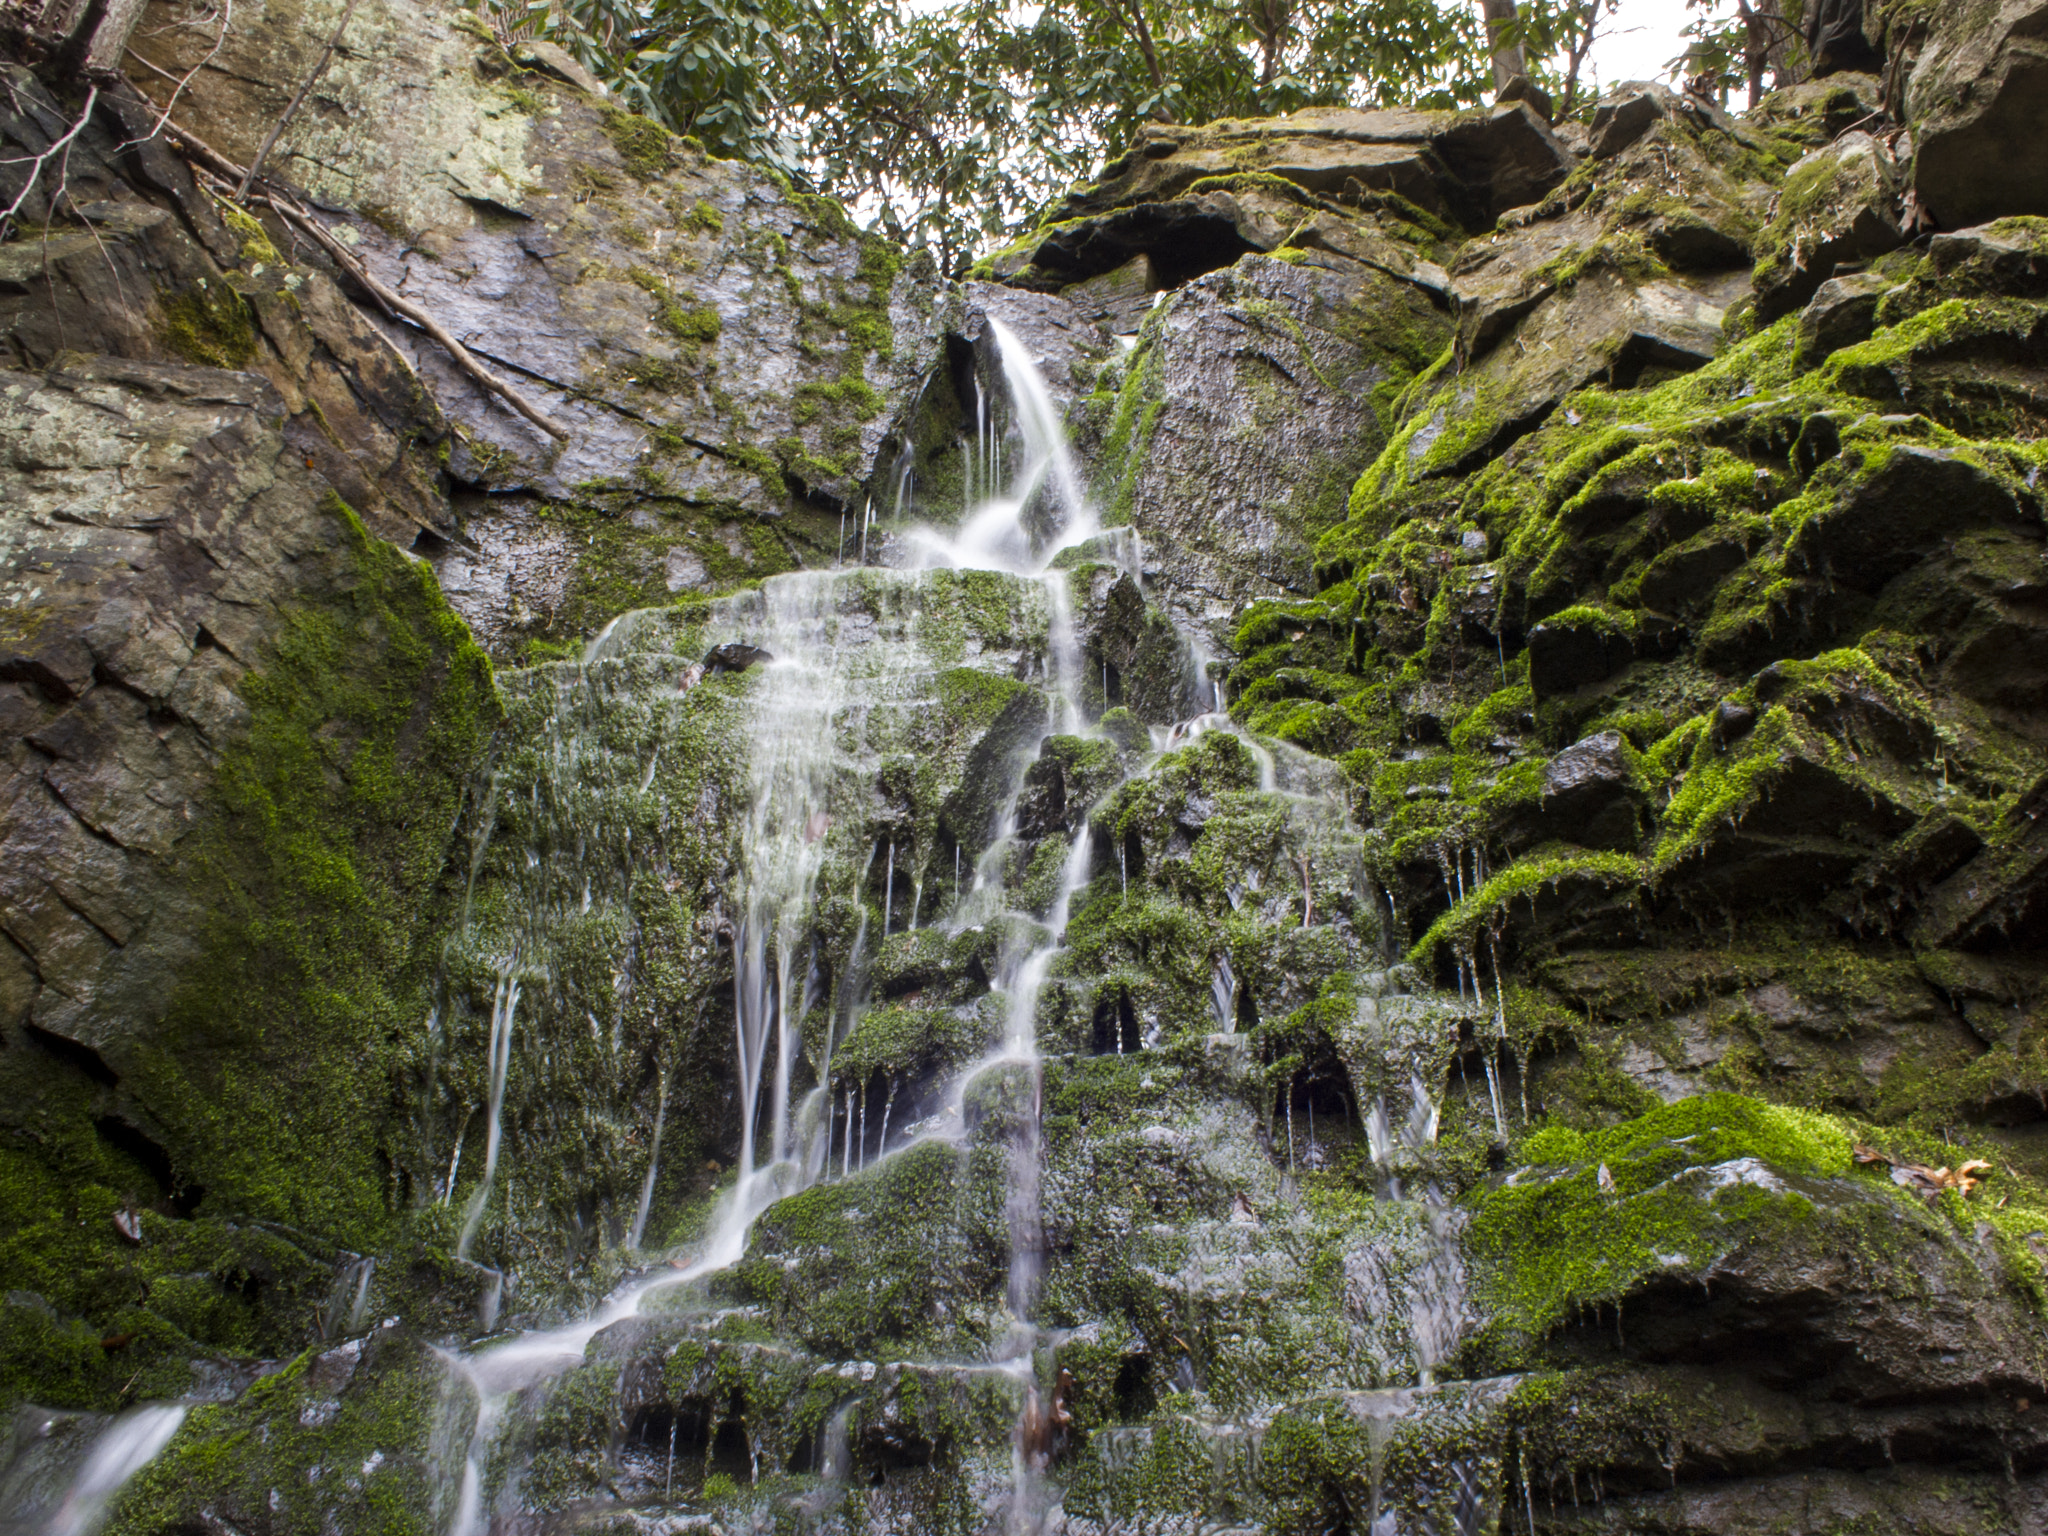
[(1568, 1235), (208, 324), (644, 145), (695, 325)]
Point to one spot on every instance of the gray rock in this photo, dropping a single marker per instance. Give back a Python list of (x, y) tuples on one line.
[(1820, 110), (1117, 301), (1841, 313), (1839, 204), (1976, 98), (1586, 783), (1230, 472), (159, 540), (716, 348), (1474, 165), (1606, 326)]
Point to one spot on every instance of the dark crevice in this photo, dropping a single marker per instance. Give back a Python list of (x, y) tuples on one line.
[(37, 676), (75, 1054), (182, 1199)]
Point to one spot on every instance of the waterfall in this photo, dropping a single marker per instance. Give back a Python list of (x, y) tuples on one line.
[(995, 532), (127, 1445), (843, 674)]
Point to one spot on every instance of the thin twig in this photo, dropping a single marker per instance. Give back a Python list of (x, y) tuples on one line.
[(35, 171), (292, 107), (227, 12)]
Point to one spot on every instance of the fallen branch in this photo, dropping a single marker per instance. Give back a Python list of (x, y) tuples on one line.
[(292, 107), (407, 310), (225, 170)]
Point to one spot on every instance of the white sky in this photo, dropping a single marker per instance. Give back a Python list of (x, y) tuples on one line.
[(1644, 38)]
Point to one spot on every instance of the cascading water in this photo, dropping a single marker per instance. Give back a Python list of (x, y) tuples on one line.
[(839, 717)]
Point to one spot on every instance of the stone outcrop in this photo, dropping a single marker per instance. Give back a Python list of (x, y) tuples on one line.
[(719, 347), (1975, 92)]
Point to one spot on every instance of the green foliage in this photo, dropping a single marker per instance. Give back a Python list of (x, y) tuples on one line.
[(960, 122)]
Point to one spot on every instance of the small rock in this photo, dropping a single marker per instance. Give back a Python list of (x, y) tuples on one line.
[(1590, 795), (1733, 721), (1625, 115), (558, 61), (1841, 313), (735, 656), (1839, 204)]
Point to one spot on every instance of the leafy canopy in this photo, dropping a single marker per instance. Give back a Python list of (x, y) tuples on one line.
[(948, 123)]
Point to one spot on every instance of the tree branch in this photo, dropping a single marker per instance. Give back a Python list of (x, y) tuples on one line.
[(292, 107), (35, 171)]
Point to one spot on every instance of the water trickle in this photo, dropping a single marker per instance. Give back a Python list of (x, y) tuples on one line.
[(653, 1167), (504, 1007), (127, 1445), (1223, 992), (359, 1309)]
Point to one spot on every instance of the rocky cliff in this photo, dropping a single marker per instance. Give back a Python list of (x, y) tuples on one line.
[(1352, 843)]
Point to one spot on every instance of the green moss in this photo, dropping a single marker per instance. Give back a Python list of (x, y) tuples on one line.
[(342, 1441), (847, 399), (276, 1057), (703, 218), (1553, 1242), (695, 325), (208, 324), (1488, 906), (645, 146)]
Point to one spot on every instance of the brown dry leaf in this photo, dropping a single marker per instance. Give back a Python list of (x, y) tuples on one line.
[(1928, 1183)]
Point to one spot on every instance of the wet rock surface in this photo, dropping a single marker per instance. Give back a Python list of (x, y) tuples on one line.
[(1436, 929)]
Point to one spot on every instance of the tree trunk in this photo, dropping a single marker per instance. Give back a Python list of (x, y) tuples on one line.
[(1503, 39), (1766, 46), (81, 37)]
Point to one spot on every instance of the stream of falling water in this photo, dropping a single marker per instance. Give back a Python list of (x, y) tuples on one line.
[(813, 690), (805, 704)]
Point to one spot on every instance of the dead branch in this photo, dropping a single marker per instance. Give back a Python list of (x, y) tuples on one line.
[(292, 106), (62, 146), (227, 12), (405, 309)]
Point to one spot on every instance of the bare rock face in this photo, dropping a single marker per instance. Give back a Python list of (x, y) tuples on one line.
[(719, 349), (1976, 98), (1229, 471)]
